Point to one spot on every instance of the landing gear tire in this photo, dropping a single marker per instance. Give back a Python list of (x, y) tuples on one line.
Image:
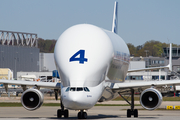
[(62, 112), (128, 113), (79, 115), (59, 113), (135, 113), (82, 115), (66, 113)]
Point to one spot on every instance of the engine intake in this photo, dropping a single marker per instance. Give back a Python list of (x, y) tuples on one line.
[(32, 99), (151, 99)]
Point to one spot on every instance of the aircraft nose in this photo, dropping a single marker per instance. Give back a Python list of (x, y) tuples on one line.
[(74, 97), (77, 100)]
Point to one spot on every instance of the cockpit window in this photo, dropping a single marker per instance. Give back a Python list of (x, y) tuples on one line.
[(79, 89), (86, 89), (73, 89), (67, 89)]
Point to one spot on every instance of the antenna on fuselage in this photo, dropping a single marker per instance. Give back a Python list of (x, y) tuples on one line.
[(115, 18)]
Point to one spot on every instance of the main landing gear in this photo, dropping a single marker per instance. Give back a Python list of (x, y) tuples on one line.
[(131, 111), (82, 115), (61, 112)]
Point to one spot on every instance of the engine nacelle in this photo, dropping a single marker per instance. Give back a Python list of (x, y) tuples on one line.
[(32, 99), (151, 99)]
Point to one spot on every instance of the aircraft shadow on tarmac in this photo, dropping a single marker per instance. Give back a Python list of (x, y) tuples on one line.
[(102, 116), (99, 116)]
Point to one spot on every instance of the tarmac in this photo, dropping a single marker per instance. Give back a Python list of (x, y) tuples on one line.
[(96, 113)]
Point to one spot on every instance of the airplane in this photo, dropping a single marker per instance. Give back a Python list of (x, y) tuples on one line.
[(93, 63)]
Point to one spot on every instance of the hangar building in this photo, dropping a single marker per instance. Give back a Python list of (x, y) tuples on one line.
[(19, 51)]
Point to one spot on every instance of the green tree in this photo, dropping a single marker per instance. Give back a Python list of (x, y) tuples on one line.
[(46, 46), (132, 49)]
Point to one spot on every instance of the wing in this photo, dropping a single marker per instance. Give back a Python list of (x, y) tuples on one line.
[(144, 84), (152, 68), (32, 99), (31, 83)]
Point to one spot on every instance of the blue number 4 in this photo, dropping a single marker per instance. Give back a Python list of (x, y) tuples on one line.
[(81, 59)]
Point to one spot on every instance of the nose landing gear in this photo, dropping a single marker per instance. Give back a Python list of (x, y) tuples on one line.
[(82, 115)]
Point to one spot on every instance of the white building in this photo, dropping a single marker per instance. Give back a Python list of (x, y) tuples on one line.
[(46, 62)]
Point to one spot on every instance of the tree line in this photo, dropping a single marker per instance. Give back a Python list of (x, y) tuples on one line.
[(46, 46), (149, 48)]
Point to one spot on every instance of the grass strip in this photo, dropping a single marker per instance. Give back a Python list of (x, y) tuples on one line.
[(57, 104), (51, 104), (20, 105), (2, 104)]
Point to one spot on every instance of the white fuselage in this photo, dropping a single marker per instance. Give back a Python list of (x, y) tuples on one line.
[(85, 56)]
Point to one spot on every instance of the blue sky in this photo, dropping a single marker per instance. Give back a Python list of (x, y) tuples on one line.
[(139, 20)]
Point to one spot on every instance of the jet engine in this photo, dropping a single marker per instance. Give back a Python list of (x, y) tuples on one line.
[(32, 99), (151, 99)]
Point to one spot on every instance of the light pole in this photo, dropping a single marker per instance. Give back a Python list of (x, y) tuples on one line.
[(146, 52), (15, 72), (2, 56), (15, 67)]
